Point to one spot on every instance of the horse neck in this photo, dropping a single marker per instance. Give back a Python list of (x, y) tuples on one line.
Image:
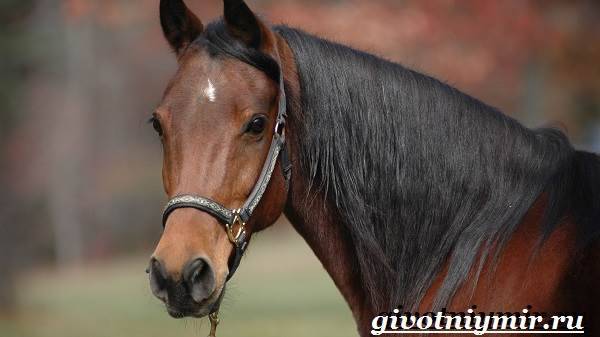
[(313, 217), (315, 221)]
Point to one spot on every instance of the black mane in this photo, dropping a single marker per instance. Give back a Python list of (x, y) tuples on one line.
[(420, 173)]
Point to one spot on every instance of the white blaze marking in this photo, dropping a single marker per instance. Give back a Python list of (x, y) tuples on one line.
[(210, 91)]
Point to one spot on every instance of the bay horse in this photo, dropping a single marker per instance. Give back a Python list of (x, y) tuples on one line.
[(408, 191)]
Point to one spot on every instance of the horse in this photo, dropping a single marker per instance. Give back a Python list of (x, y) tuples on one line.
[(410, 192)]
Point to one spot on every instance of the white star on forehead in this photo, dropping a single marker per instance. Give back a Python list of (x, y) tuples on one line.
[(210, 92)]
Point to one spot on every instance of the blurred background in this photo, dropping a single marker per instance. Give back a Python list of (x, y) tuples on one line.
[(80, 168)]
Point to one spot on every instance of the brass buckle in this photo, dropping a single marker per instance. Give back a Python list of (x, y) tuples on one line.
[(231, 233)]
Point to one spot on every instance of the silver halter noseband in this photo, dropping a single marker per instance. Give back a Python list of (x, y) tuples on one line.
[(235, 220)]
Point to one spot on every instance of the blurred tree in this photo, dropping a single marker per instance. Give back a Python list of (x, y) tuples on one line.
[(13, 68), (574, 63), (70, 130)]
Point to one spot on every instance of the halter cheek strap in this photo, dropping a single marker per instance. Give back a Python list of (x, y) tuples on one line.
[(234, 220)]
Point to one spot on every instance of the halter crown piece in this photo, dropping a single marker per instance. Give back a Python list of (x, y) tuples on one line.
[(234, 220)]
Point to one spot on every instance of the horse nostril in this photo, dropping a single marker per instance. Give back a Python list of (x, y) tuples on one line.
[(158, 279), (200, 278)]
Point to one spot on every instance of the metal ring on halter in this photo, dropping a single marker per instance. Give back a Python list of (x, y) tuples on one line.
[(234, 237)]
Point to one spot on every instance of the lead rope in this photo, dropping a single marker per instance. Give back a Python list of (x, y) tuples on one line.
[(214, 322)]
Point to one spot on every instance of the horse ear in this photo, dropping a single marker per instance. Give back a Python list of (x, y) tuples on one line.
[(180, 26), (242, 23)]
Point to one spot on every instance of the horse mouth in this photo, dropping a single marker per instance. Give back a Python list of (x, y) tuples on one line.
[(179, 313), (196, 310)]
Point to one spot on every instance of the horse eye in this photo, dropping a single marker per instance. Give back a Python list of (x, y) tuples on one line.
[(257, 125), (156, 125)]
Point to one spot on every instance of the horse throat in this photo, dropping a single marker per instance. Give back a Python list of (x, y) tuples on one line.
[(332, 245)]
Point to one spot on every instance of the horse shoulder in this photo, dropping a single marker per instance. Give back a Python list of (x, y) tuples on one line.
[(523, 274)]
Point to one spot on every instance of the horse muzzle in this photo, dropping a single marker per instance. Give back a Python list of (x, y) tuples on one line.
[(193, 294)]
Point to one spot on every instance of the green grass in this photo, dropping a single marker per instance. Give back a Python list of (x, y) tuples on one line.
[(280, 290)]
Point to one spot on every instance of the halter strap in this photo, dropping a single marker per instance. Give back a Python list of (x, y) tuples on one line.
[(237, 218)]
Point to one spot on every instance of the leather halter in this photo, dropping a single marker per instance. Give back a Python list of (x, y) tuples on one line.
[(234, 220)]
